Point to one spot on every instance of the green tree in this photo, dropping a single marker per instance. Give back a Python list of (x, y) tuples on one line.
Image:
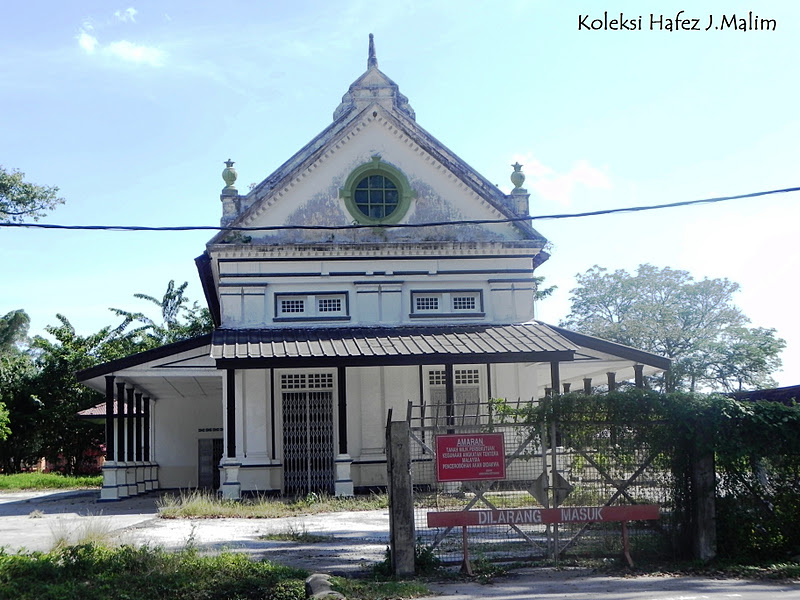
[(667, 312), (13, 329), (20, 410), (180, 319), (542, 292), (744, 358), (39, 395), (65, 438), (21, 200), (16, 368)]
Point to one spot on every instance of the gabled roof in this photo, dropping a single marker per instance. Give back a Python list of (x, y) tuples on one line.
[(374, 95)]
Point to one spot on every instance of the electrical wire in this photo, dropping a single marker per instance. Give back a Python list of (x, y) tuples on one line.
[(593, 213)]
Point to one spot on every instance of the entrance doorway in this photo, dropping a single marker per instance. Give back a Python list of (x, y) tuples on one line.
[(308, 445), (209, 454)]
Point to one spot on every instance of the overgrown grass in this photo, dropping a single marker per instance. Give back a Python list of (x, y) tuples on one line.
[(89, 530), (96, 572), (47, 481), (198, 504)]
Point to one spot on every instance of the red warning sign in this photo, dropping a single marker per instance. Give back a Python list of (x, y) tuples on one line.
[(470, 457)]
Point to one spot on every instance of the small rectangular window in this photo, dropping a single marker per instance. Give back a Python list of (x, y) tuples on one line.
[(447, 303), (329, 305), (293, 306), (311, 307), (464, 303), (426, 303)]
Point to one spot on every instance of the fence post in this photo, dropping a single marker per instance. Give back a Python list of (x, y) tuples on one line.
[(401, 502), (704, 538)]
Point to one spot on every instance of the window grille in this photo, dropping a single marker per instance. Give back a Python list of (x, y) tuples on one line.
[(293, 306), (306, 381), (429, 303), (464, 303), (466, 377), (293, 381), (327, 305), (376, 196)]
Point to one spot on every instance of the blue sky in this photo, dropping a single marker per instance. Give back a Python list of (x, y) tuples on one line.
[(131, 109)]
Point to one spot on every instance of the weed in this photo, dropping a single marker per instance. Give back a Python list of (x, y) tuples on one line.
[(426, 563), (199, 504), (289, 589), (89, 530), (296, 532)]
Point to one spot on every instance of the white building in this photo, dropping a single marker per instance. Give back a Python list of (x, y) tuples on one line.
[(322, 327)]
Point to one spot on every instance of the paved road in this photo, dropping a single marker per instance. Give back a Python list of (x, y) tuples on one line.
[(36, 520)]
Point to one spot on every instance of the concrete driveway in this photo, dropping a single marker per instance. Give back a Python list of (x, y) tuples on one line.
[(353, 542)]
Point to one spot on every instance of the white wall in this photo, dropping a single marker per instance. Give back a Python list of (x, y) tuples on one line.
[(176, 425)]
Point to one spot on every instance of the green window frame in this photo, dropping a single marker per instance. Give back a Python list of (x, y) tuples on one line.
[(377, 193)]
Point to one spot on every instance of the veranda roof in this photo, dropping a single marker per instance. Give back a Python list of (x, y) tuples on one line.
[(362, 346), (192, 367)]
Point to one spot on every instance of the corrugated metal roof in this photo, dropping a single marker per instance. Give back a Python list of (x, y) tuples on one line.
[(362, 345)]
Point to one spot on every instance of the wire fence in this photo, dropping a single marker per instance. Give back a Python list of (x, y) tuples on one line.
[(539, 473)]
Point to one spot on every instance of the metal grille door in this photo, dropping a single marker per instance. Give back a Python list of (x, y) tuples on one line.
[(308, 447)]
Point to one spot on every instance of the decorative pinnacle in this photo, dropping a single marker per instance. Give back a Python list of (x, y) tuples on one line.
[(229, 175), (517, 178), (372, 59)]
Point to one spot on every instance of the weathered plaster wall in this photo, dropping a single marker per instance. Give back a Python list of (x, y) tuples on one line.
[(312, 198)]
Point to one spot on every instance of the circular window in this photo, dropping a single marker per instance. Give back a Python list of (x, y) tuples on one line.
[(377, 193), (376, 196)]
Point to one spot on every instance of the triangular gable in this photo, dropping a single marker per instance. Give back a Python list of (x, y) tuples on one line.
[(306, 189), (375, 119)]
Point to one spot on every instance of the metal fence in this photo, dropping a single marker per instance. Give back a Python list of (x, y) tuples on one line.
[(539, 472)]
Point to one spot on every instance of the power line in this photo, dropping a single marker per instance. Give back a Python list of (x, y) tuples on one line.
[(594, 213)]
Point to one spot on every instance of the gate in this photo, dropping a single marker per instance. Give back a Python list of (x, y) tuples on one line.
[(308, 446), (544, 468)]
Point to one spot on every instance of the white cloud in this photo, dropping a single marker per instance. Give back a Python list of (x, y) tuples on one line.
[(121, 50), (136, 53), (558, 187), (87, 41), (127, 15)]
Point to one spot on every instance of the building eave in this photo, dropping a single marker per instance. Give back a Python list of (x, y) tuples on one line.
[(134, 360)]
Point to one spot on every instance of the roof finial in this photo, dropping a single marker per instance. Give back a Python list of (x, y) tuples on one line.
[(372, 60)]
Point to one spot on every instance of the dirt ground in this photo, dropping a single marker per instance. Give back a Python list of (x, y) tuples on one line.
[(352, 543)]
